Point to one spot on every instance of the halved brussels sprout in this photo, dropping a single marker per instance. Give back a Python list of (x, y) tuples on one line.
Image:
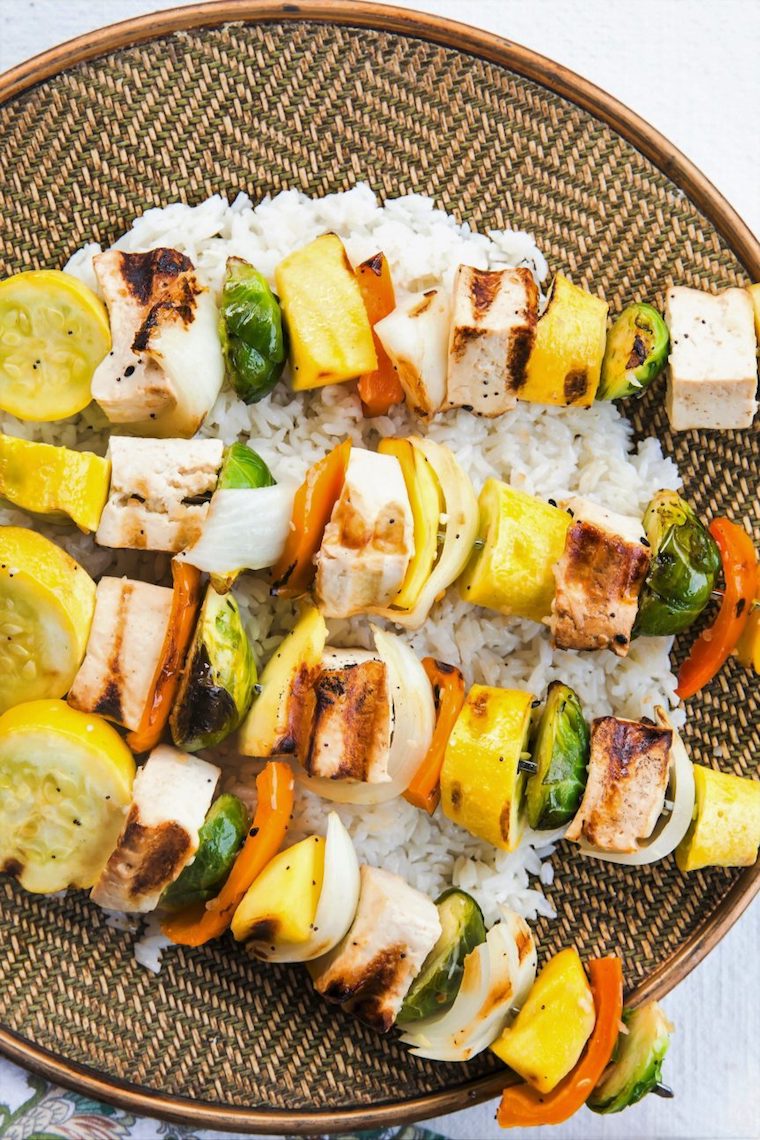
[(636, 353), (243, 470), (637, 1064), (684, 567), (219, 840), (251, 329), (218, 678), (435, 988), (560, 750)]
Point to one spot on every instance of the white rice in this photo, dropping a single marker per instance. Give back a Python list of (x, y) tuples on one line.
[(551, 452)]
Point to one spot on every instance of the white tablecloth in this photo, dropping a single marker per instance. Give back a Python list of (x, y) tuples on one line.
[(691, 68)]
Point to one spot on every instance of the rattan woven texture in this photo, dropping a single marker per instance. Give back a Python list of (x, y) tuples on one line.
[(263, 108)]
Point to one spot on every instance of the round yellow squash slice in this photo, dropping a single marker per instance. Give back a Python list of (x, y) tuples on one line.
[(65, 783), (46, 605), (54, 332)]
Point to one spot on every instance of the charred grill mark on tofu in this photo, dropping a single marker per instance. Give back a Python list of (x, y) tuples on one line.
[(625, 793), (109, 702), (178, 305), (159, 851), (146, 273), (599, 577), (13, 868), (424, 304), (382, 974), (485, 287), (350, 722)]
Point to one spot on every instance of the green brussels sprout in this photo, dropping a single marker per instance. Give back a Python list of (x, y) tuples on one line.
[(636, 353), (251, 329), (685, 565), (636, 1066), (243, 470), (435, 988), (219, 840), (218, 678), (560, 749)]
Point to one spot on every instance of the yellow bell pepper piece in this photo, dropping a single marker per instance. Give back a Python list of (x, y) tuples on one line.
[(277, 721), (481, 787), (725, 831), (754, 296), (522, 538), (52, 480), (330, 334), (546, 1040), (426, 502), (565, 362), (281, 903)]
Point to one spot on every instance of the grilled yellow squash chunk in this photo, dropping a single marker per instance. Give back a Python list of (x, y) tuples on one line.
[(46, 605), (545, 1041), (65, 783), (330, 334), (520, 538), (482, 788), (281, 716), (281, 904), (51, 480), (754, 296), (565, 363), (725, 831)]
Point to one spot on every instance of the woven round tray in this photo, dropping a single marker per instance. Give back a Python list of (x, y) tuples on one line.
[(261, 97)]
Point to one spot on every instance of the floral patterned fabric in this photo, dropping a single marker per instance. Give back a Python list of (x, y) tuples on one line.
[(32, 1109)]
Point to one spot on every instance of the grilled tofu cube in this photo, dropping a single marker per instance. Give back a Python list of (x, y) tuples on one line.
[(160, 491), (712, 369), (171, 795), (124, 649), (627, 781), (598, 580), (371, 970), (166, 367), (352, 724), (369, 539), (493, 326), (416, 337)]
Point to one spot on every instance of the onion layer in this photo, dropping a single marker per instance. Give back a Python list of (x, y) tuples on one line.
[(244, 530), (497, 977)]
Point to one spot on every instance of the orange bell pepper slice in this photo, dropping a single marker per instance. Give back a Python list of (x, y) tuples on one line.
[(524, 1107), (314, 500), (424, 791), (199, 923), (186, 602), (713, 647), (380, 389)]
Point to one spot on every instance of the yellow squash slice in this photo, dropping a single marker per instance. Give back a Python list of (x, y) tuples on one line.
[(520, 538), (46, 605), (54, 332), (482, 787), (427, 506), (725, 831), (65, 784), (50, 480)]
